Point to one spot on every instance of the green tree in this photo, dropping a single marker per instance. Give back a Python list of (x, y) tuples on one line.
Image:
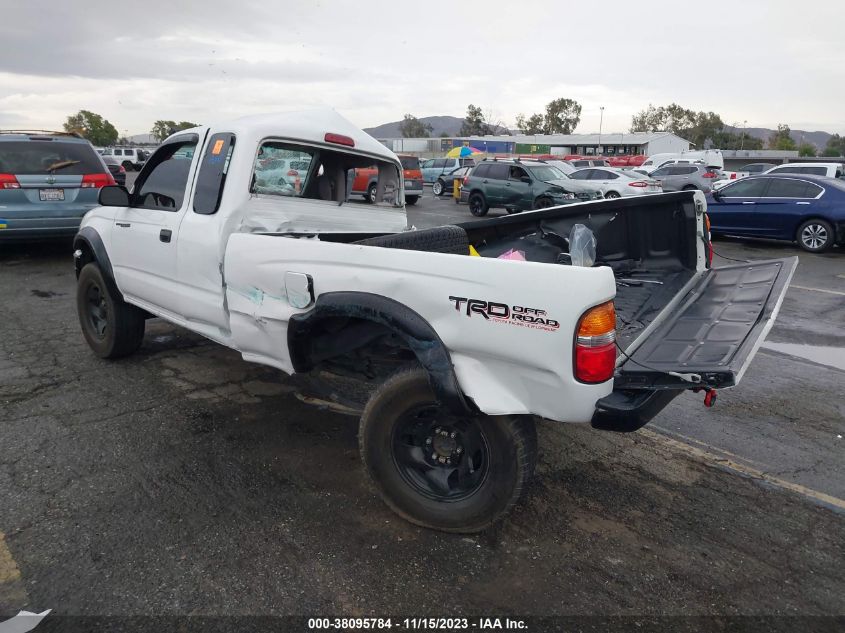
[(781, 139), (444, 134), (531, 125), (474, 124), (696, 127), (562, 116), (165, 127), (93, 127), (729, 140), (412, 127), (835, 146), (806, 149)]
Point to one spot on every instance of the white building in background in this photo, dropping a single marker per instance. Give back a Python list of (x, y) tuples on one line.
[(631, 143)]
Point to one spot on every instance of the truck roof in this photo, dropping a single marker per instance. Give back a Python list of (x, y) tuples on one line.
[(310, 126)]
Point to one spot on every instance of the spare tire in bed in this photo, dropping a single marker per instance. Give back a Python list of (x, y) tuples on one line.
[(442, 239)]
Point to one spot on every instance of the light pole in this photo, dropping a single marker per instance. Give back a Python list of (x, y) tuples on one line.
[(601, 120), (742, 137)]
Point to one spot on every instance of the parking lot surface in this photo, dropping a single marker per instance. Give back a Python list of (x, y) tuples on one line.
[(183, 480)]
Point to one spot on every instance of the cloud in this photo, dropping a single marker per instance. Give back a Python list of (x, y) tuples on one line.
[(378, 61)]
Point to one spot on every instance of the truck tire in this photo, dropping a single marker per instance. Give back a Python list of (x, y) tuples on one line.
[(478, 204), (412, 200), (371, 193), (112, 327), (438, 469)]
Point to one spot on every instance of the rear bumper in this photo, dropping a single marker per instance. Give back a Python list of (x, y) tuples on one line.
[(39, 228), (629, 410)]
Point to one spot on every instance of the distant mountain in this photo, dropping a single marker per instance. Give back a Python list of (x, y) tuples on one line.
[(818, 138), (450, 125)]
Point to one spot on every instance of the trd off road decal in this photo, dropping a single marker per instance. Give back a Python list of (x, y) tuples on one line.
[(521, 316)]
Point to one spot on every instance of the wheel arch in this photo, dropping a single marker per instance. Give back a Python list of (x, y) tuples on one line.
[(90, 247), (399, 319)]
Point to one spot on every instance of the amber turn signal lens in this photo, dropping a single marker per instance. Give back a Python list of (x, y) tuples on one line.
[(599, 320)]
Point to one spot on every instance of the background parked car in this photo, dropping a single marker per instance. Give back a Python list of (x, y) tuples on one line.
[(686, 177), (365, 180), (445, 183), (580, 163), (48, 181), (616, 183), (831, 170), (433, 168), (806, 209), (118, 173), (513, 185), (751, 169)]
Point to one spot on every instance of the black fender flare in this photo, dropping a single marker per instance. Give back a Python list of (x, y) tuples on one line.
[(88, 239), (417, 333)]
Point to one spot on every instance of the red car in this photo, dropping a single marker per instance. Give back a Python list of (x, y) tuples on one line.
[(365, 180)]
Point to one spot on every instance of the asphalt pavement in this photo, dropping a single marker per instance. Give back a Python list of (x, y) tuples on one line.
[(183, 480)]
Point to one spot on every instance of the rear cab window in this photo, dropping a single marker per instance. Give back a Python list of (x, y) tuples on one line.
[(289, 169)]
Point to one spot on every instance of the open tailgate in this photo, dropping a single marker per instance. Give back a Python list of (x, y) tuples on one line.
[(713, 332)]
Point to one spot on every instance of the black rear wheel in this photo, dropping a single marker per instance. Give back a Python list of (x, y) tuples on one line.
[(439, 469), (412, 200), (112, 327), (543, 203), (478, 204), (371, 193)]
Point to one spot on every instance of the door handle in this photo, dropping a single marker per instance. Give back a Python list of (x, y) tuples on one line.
[(123, 225), (747, 202), (507, 184), (165, 235), (484, 181)]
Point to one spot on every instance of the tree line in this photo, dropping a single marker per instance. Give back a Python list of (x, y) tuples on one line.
[(561, 116), (100, 131)]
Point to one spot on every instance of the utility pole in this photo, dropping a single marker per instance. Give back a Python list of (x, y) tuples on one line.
[(742, 138), (601, 121)]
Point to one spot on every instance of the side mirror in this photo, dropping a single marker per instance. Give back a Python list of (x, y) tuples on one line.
[(717, 194), (113, 196), (526, 180)]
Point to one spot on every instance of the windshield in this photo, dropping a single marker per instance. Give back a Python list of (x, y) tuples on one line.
[(48, 157), (547, 172)]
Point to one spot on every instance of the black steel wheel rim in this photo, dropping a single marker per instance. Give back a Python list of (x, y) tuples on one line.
[(441, 456), (475, 204), (97, 309)]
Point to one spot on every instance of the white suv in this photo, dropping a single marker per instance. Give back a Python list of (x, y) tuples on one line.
[(132, 158)]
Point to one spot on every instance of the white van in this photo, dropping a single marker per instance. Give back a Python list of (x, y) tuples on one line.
[(708, 158)]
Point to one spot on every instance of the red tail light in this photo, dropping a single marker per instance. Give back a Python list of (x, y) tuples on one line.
[(8, 181), (122, 170), (595, 344), (638, 183), (711, 174), (95, 181), (709, 240), (733, 176), (466, 179)]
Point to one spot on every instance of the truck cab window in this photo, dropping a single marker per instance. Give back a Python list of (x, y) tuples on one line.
[(163, 182), (282, 169), (212, 173)]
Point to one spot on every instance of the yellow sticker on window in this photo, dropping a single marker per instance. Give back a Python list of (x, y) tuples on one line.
[(218, 146)]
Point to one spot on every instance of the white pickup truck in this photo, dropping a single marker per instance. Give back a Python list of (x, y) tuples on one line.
[(458, 353)]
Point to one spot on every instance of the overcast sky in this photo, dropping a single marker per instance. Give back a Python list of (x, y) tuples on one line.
[(761, 61)]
